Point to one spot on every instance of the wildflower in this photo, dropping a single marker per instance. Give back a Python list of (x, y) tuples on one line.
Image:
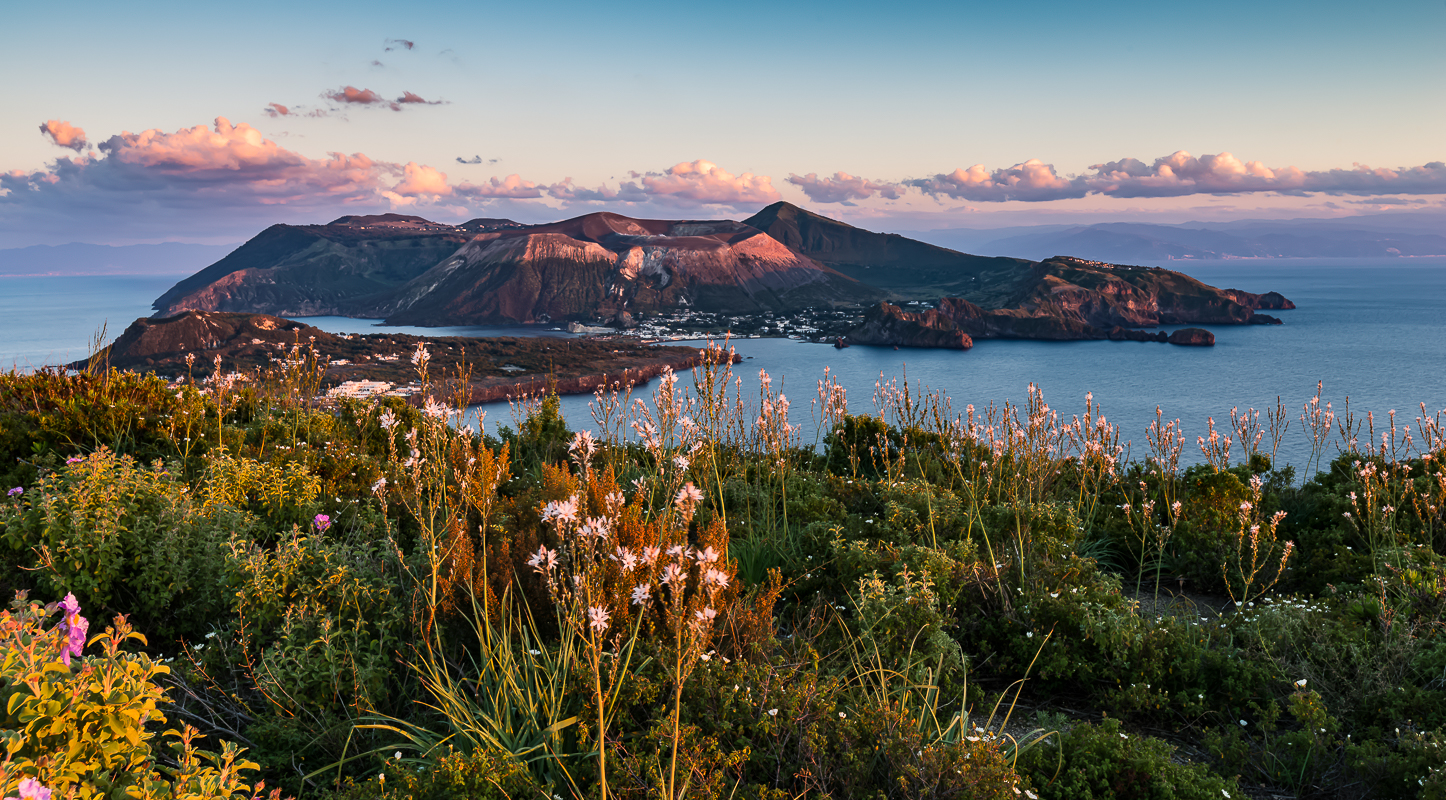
[(651, 554), (678, 551), (614, 502), (706, 556), (73, 460), (594, 527), (561, 510), (717, 578), (626, 558), (598, 618), (688, 496), (420, 356), (388, 419), (398, 754), (543, 560), (708, 656), (1300, 682), (379, 485), (31, 789), (705, 616), (842, 715), (74, 626), (672, 574), (681, 462), (16, 492), (583, 445), (772, 712), (642, 593), (1243, 723), (321, 522)]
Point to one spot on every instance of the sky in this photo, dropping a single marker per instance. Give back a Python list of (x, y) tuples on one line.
[(207, 122)]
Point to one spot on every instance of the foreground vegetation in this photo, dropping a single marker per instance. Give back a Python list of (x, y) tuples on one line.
[(225, 589)]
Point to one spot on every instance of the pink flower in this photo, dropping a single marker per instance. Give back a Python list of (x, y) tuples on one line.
[(31, 789), (543, 560), (651, 555), (672, 574), (598, 618), (561, 510), (706, 556), (642, 593), (705, 616), (688, 496), (75, 627), (321, 523), (16, 492), (717, 578)]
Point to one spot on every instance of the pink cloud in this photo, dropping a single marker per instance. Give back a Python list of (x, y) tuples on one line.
[(351, 94), (393, 44), (65, 135), (276, 110), (513, 187), (224, 166), (1177, 175), (842, 188), (1031, 180), (694, 183), (418, 180)]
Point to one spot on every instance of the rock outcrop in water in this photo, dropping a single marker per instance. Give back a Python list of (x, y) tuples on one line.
[(1193, 337)]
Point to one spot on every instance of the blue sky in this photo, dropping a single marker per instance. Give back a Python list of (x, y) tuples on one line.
[(897, 96)]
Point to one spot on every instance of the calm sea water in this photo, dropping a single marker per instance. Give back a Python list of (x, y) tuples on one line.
[(1371, 330)]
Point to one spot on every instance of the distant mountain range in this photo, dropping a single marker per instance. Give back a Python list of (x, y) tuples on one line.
[(1369, 236)]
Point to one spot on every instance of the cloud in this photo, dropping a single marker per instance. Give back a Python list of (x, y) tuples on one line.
[(409, 98), (842, 188), (477, 160), (351, 94), (695, 183), (513, 187), (1032, 180), (1177, 175), (65, 135), (393, 44), (276, 110), (200, 181), (570, 192)]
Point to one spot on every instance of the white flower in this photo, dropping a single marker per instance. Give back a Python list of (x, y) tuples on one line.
[(1300, 682), (388, 419), (1243, 723), (688, 495), (772, 712), (842, 715), (681, 462), (706, 556), (598, 618), (717, 578), (398, 754), (641, 594)]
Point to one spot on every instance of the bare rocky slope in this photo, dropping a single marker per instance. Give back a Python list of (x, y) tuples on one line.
[(598, 266)]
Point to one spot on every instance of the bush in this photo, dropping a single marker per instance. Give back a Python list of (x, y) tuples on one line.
[(123, 537), (85, 727), (1096, 762)]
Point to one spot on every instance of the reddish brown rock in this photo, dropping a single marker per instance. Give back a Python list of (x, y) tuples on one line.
[(1193, 337)]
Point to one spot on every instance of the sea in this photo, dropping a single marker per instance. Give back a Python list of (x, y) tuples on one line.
[(1372, 331)]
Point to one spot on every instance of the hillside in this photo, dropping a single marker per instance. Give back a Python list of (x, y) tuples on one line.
[(905, 268), (598, 266), (338, 268)]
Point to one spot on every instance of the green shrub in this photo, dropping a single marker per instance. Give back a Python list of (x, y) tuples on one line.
[(1100, 762), (123, 537), (85, 727)]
